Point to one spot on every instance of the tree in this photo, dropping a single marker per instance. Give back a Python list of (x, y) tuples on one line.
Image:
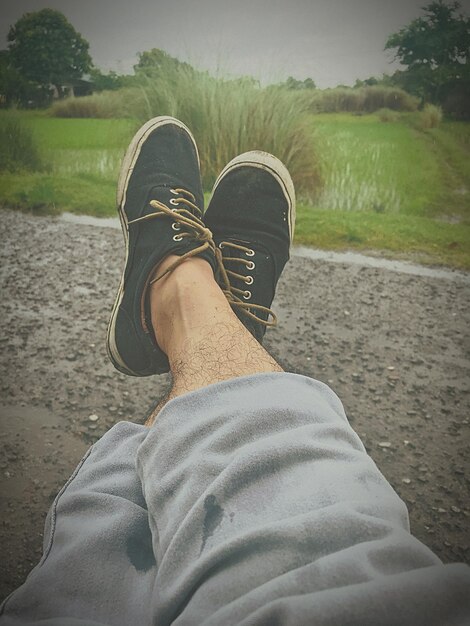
[(15, 89), (110, 81), (294, 83), (156, 61), (46, 49), (436, 50)]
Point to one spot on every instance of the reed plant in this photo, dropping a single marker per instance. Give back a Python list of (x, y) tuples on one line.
[(229, 117), (104, 105), (387, 115), (362, 100)]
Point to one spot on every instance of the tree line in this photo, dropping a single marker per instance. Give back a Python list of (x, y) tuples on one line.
[(46, 56)]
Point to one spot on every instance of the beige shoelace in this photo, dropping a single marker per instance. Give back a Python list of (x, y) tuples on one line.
[(182, 217), (197, 230), (233, 293)]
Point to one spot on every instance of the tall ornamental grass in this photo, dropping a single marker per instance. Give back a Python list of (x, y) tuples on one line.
[(362, 100), (106, 105), (430, 116), (227, 117)]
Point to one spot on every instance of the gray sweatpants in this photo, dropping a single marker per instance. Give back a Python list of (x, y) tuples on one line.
[(251, 501)]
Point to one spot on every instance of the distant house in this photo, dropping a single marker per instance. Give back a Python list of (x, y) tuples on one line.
[(83, 86)]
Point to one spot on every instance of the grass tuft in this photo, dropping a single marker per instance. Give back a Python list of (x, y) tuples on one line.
[(18, 148), (387, 115), (105, 105), (362, 100), (229, 117), (426, 119)]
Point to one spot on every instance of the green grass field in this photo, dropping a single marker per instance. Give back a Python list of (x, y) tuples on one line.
[(387, 187)]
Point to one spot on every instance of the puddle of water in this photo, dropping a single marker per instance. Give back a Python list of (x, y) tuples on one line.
[(352, 258)]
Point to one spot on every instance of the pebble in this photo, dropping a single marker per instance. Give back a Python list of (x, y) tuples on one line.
[(455, 509), (93, 417), (407, 481), (385, 444)]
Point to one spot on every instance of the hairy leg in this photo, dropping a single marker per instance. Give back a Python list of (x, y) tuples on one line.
[(194, 324)]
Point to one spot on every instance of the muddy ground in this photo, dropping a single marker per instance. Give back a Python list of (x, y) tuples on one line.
[(394, 347)]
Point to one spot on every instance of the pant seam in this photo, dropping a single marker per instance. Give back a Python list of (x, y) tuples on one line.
[(55, 505)]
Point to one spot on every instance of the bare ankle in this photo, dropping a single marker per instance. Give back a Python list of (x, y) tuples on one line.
[(175, 293)]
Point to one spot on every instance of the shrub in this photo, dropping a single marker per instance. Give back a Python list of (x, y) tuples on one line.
[(18, 148), (429, 117), (106, 104), (228, 117), (387, 115), (363, 99)]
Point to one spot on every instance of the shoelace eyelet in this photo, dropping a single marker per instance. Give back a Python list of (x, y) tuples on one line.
[(249, 280), (174, 201), (250, 265), (177, 238), (250, 253), (221, 245), (176, 226), (174, 192), (247, 295)]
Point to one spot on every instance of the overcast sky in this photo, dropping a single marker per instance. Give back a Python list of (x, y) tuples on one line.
[(332, 41)]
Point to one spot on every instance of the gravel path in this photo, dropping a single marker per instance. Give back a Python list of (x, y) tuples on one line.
[(393, 346)]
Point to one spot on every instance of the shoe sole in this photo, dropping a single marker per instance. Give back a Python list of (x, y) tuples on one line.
[(271, 164), (127, 167)]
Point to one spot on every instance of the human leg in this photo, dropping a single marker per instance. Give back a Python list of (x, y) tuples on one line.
[(252, 217), (267, 508), (97, 565), (195, 326)]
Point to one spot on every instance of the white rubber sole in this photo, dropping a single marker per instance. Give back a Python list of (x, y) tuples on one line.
[(270, 163), (127, 167)]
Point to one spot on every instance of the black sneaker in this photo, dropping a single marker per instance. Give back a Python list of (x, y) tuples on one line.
[(160, 203), (252, 217)]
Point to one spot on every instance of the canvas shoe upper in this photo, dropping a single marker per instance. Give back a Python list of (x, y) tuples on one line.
[(252, 217), (160, 204)]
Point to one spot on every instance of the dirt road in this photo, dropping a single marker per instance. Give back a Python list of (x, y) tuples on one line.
[(394, 347)]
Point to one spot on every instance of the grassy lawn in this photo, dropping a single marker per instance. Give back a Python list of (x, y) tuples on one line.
[(82, 159), (387, 187), (374, 166)]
